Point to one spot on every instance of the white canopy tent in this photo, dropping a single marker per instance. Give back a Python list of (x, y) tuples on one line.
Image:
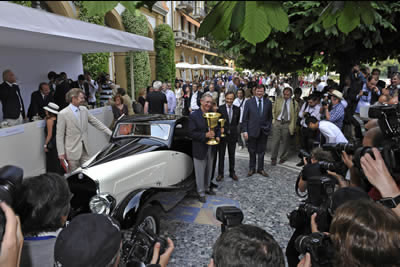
[(35, 42)]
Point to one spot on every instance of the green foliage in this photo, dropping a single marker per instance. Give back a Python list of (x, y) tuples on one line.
[(254, 20), (164, 45), (95, 63), (100, 8), (23, 3), (312, 30), (137, 24)]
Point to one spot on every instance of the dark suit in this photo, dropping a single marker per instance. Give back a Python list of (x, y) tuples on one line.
[(202, 153), (38, 103), (258, 128), (11, 100), (59, 96), (230, 130)]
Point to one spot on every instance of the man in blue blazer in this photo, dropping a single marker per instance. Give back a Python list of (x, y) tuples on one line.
[(257, 123), (203, 154)]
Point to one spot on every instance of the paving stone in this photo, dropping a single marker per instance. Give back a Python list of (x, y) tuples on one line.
[(264, 202)]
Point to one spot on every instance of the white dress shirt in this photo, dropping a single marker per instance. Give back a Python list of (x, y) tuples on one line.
[(240, 104), (314, 111), (287, 108), (76, 112), (331, 132), (193, 101)]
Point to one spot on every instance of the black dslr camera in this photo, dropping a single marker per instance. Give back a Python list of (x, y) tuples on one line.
[(389, 123), (320, 190), (141, 245), (229, 216), (319, 246), (10, 180)]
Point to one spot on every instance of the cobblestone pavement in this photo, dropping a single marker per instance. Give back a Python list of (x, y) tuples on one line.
[(264, 202)]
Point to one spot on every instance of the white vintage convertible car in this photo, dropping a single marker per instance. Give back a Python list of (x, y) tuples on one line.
[(146, 169)]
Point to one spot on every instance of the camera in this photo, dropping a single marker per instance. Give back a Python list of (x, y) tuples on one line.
[(388, 119), (141, 245), (365, 93), (338, 148), (325, 103), (229, 216), (10, 181), (304, 154), (319, 246), (306, 115)]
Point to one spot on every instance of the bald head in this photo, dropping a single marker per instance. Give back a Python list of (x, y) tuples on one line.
[(373, 137)]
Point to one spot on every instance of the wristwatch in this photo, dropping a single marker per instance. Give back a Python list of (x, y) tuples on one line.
[(45, 146), (390, 202)]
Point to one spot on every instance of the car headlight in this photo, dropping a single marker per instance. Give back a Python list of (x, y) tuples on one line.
[(102, 203)]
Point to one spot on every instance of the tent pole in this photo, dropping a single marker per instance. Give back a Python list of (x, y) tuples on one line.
[(132, 75)]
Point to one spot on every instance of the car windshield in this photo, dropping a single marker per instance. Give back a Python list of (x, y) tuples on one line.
[(142, 129)]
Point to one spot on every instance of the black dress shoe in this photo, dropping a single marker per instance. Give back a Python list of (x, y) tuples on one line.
[(210, 192), (301, 163), (220, 178), (263, 173), (251, 172), (212, 185), (202, 199), (234, 177)]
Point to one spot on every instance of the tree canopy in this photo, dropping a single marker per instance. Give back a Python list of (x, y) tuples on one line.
[(288, 36)]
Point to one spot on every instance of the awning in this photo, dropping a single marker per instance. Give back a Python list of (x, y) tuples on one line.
[(194, 22), (184, 65), (25, 27), (200, 50)]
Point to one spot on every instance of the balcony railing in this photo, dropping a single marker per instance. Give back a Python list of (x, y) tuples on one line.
[(186, 5), (199, 13), (188, 38)]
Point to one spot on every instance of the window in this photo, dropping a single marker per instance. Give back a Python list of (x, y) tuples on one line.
[(190, 27), (163, 19), (182, 23), (143, 129)]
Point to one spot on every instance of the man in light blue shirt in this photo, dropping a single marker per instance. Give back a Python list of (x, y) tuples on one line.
[(368, 95)]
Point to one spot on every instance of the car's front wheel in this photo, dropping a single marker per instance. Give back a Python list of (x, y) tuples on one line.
[(150, 217)]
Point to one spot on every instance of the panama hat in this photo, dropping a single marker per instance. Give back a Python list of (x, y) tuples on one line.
[(51, 107), (337, 94)]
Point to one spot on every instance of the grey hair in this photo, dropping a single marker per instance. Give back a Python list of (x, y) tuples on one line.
[(206, 95), (7, 71), (157, 85), (74, 92)]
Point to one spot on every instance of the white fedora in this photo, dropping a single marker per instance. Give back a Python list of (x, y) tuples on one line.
[(51, 107)]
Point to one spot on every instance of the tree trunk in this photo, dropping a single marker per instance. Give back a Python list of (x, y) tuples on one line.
[(294, 82)]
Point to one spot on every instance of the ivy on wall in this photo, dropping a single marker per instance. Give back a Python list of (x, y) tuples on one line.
[(23, 3), (137, 24), (95, 63), (164, 45)]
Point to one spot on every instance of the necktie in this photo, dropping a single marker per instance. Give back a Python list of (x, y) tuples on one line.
[(78, 115), (259, 107), (285, 112), (230, 114)]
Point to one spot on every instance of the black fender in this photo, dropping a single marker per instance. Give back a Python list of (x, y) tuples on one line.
[(128, 211), (165, 198)]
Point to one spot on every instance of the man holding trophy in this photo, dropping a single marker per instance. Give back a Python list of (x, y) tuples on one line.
[(204, 131)]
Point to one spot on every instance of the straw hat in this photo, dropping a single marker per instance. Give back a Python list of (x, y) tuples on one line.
[(51, 107), (337, 94)]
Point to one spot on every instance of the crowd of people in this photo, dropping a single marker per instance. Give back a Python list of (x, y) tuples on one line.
[(255, 108)]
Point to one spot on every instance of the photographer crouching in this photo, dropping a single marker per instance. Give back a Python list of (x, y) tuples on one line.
[(320, 187)]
